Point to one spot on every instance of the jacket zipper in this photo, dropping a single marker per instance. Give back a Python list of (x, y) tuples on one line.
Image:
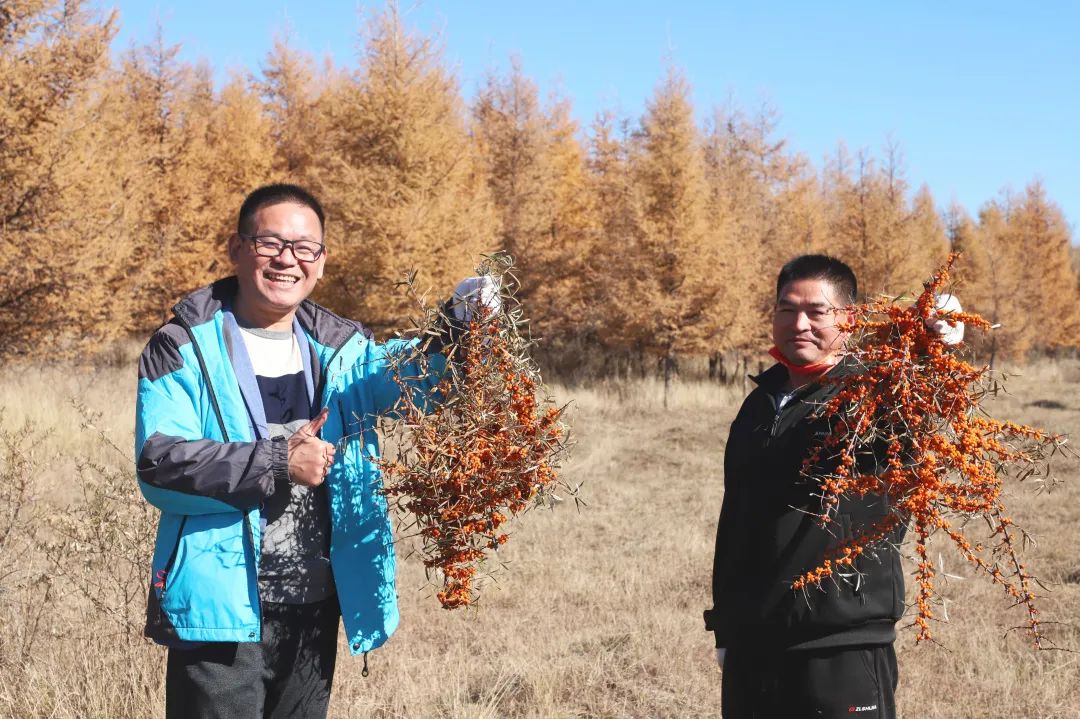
[(206, 378), (254, 563), (778, 411), (224, 438), (775, 422)]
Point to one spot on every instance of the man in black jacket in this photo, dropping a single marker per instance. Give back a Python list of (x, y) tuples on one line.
[(828, 651)]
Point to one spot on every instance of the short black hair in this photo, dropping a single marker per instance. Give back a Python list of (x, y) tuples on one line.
[(275, 195), (820, 267)]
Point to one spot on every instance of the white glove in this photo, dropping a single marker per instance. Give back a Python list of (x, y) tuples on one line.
[(720, 652), (949, 334), (472, 292)]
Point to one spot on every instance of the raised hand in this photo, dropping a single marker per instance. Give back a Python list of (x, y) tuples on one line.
[(474, 292), (310, 458), (950, 334)]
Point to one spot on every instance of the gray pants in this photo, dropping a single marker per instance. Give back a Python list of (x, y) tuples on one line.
[(287, 674)]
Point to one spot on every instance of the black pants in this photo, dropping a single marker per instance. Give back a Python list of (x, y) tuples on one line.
[(850, 682), (287, 674)]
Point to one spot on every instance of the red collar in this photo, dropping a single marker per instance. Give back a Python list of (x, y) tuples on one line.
[(805, 370)]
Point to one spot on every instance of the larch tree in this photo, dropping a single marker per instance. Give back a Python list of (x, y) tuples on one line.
[(751, 181), (565, 289), (736, 216), (890, 244), (1037, 225), (195, 248), (971, 266), (51, 55), (645, 241), (677, 285), (161, 111), (403, 186), (771, 171), (619, 320), (887, 189), (991, 278), (924, 237), (290, 87), (241, 158), (194, 153), (1016, 270), (535, 172), (979, 271), (856, 201), (803, 210), (511, 134)]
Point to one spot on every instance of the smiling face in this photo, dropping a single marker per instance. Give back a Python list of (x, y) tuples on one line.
[(804, 321), (271, 288)]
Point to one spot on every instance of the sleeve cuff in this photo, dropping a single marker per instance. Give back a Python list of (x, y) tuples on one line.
[(279, 459), (450, 331), (713, 624)]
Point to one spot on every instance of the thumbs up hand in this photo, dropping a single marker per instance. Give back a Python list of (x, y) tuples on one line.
[(310, 458)]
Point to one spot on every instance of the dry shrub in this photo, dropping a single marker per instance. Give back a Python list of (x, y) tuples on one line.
[(73, 581), (100, 545), (26, 589)]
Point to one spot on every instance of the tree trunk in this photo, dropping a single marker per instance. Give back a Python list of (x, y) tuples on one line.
[(669, 370)]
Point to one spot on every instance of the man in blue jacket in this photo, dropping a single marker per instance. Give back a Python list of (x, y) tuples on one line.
[(255, 437)]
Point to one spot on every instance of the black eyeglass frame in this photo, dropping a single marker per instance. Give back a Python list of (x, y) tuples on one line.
[(290, 244)]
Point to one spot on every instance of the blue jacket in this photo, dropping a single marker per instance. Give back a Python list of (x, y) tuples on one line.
[(201, 462)]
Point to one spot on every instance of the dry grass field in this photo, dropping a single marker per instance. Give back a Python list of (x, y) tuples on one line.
[(598, 613)]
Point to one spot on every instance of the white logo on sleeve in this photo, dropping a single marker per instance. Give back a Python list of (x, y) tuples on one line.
[(869, 708)]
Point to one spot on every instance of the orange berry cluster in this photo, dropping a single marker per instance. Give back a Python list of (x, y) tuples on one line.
[(486, 452), (915, 403)]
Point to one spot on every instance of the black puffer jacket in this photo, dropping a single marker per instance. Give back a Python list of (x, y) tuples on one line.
[(768, 535)]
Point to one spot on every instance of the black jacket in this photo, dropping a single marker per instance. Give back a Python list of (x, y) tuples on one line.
[(768, 535)]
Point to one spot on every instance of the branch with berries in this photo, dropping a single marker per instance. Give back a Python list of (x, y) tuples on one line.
[(488, 449), (916, 405)]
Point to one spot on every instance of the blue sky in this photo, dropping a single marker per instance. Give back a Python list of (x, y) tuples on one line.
[(979, 96)]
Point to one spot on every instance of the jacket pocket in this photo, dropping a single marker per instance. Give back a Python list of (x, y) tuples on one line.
[(161, 576), (159, 626), (211, 571), (839, 601)]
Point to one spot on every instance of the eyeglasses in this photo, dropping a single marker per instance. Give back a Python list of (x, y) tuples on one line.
[(273, 246)]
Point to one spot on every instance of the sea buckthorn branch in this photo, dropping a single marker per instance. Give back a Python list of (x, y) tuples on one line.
[(914, 406), (487, 450)]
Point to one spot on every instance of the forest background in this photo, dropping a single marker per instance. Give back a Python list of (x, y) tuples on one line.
[(640, 242)]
